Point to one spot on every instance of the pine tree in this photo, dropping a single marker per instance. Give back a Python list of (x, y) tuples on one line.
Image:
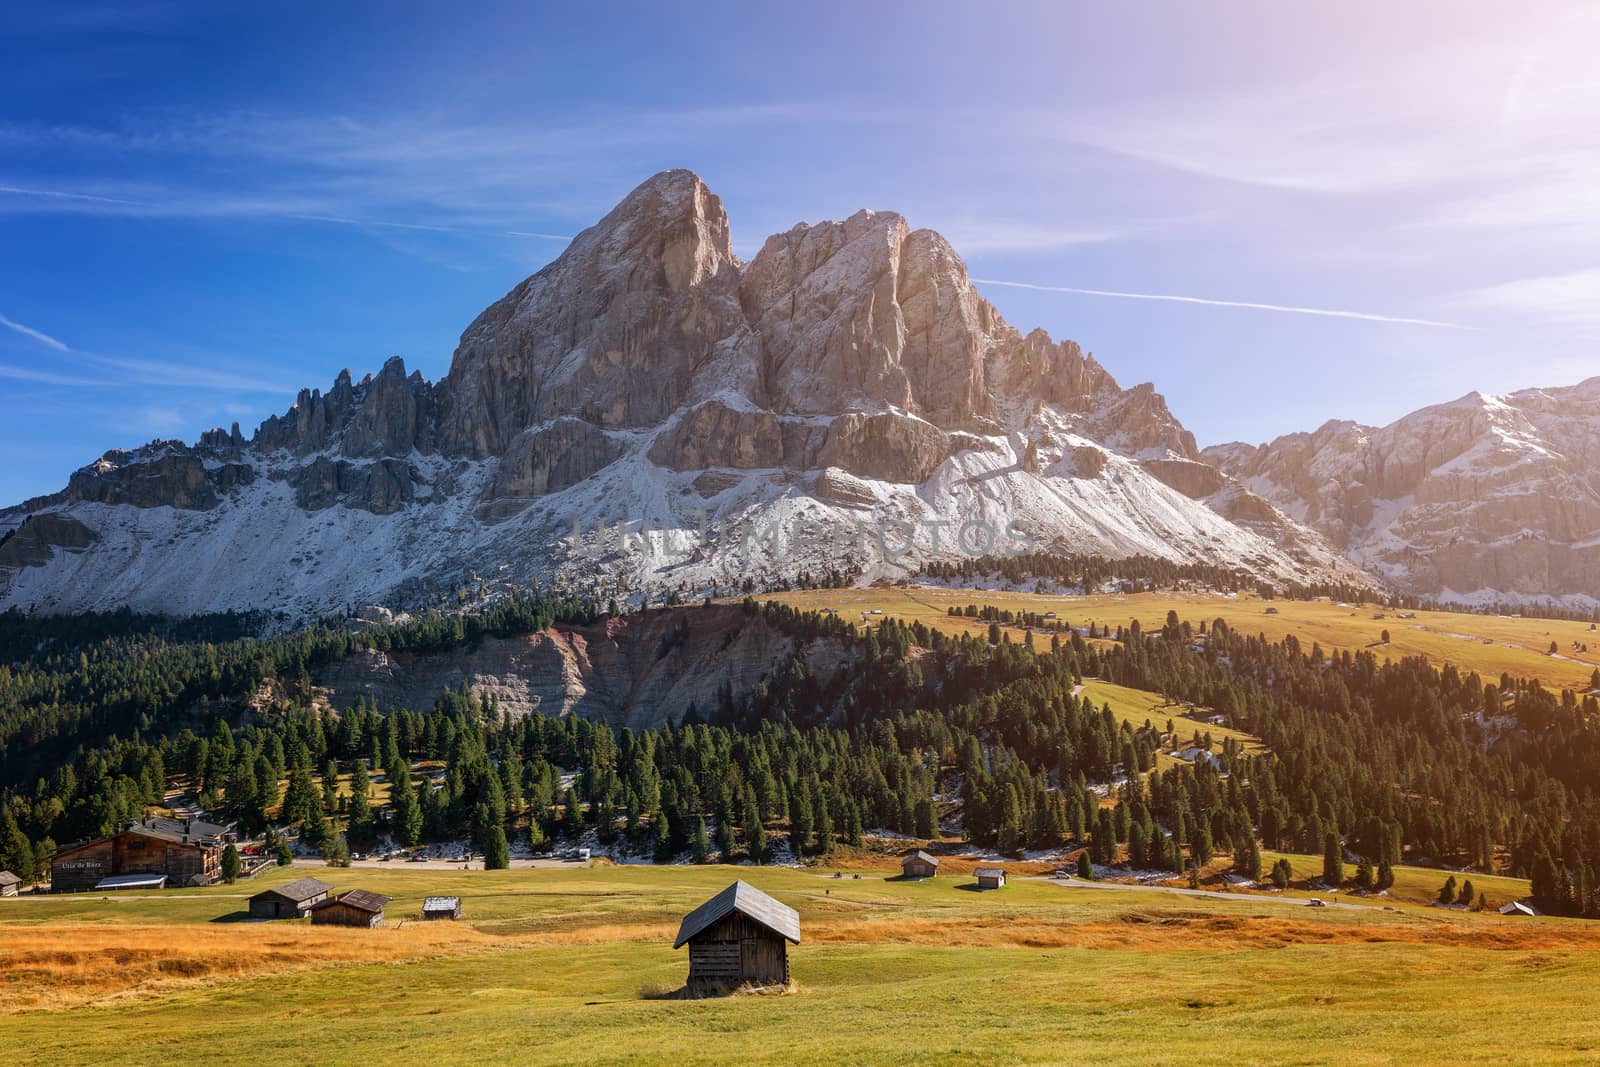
[(1332, 861), (335, 852), (1385, 876), (1085, 867), (1447, 892), (1282, 873), (755, 838), (699, 846), (496, 851), (230, 864)]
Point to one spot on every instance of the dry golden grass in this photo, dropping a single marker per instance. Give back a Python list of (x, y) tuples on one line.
[(64, 965), (1158, 930), (1489, 644)]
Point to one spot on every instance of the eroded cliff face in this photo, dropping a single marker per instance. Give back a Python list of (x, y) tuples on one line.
[(639, 671), (650, 380), (1486, 497)]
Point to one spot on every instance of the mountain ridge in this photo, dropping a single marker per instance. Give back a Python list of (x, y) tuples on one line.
[(1485, 498), (648, 410)]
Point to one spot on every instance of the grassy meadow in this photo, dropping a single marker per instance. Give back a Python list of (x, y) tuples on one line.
[(1489, 644), (568, 965)]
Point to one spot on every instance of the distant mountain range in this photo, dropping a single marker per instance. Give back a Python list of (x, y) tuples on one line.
[(649, 412), (1485, 498)]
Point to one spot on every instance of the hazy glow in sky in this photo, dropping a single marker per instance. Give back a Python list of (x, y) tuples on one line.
[(1291, 215)]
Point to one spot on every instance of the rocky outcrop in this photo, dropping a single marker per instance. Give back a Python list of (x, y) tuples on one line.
[(1488, 496), (1193, 479), (639, 671), (715, 435), (613, 332), (35, 541), (893, 448), (169, 475), (382, 487), (389, 415), (548, 459)]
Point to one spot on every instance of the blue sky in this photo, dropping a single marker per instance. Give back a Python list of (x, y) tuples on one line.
[(205, 207)]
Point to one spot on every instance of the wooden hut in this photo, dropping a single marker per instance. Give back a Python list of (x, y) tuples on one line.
[(919, 864), (441, 908), (739, 937), (290, 901), (991, 877), (10, 884), (354, 908)]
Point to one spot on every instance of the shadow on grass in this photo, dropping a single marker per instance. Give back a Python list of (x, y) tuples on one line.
[(713, 992), (237, 917)]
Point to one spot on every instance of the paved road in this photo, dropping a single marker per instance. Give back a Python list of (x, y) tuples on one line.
[(1237, 898)]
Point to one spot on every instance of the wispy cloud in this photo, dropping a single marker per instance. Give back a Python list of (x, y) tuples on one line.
[(1570, 302), (133, 371), (37, 335), (978, 237), (442, 172), (40, 377), (1490, 124), (1251, 305)]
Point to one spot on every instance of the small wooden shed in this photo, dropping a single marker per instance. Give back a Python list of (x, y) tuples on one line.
[(10, 884), (289, 901), (991, 877), (739, 937), (441, 908), (919, 864), (354, 908)]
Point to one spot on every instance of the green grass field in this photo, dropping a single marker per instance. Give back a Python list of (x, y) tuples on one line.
[(567, 965), (1137, 707), (1515, 646)]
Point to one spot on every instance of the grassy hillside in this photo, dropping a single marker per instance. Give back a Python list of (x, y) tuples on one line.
[(1516, 646), (569, 965), (1137, 707)]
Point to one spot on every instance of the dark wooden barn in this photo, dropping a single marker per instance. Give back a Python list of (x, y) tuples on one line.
[(357, 907), (920, 864), (739, 937), (289, 901), (991, 877), (10, 884)]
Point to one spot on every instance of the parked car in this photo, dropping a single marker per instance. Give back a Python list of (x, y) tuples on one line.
[(1316, 902)]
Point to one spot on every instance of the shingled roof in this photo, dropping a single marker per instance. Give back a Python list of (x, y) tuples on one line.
[(360, 899), (919, 854), (749, 901), (300, 889)]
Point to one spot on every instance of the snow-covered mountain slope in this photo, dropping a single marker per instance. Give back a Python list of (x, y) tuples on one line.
[(1487, 498), (648, 412)]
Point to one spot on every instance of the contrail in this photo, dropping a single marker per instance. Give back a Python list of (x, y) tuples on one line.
[(1285, 308), (37, 335)]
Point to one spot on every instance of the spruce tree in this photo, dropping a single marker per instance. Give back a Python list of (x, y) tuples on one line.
[(1332, 861), (699, 846), (496, 852)]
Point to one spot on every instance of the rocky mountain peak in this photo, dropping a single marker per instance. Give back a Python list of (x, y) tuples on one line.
[(850, 370)]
